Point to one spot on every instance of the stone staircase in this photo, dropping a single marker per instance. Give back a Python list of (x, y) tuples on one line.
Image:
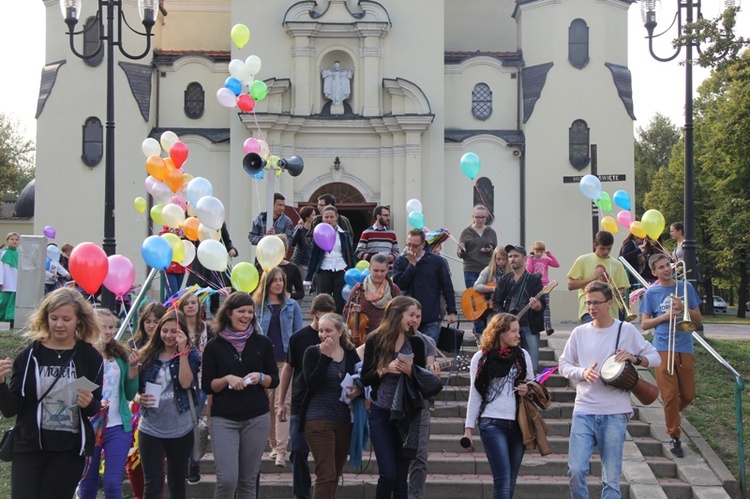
[(648, 471)]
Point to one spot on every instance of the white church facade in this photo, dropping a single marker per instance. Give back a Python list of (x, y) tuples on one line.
[(529, 86)]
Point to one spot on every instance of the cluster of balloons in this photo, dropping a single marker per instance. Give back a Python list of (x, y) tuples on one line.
[(241, 89), (470, 165), (90, 268), (353, 276), (415, 217)]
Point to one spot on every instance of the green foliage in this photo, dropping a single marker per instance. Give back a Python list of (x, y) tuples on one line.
[(715, 37), (653, 148), (16, 158)]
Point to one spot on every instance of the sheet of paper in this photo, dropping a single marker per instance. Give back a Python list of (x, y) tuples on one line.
[(345, 383), (155, 390), (83, 382)]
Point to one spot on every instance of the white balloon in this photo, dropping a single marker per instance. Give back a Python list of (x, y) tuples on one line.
[(414, 205), (150, 147), (173, 216), (213, 255), (198, 188), (190, 210), (150, 184), (204, 233), (210, 211), (226, 97), (162, 193), (189, 253), (53, 253), (168, 139), (237, 69), (252, 65)]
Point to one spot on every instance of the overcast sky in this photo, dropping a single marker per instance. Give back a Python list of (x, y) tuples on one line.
[(657, 87)]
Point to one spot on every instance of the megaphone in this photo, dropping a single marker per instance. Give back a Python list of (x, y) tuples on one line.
[(253, 163), (293, 165)]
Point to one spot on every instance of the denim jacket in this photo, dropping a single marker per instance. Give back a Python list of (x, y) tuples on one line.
[(150, 373), (290, 318)]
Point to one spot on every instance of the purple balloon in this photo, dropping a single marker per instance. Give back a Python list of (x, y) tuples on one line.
[(49, 232), (324, 236)]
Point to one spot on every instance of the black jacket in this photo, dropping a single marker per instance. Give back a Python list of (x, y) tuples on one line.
[(405, 415), (370, 375), (314, 366), (220, 358), (425, 282), (512, 297), (21, 396)]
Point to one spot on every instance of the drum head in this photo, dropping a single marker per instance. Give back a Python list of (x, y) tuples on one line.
[(611, 369)]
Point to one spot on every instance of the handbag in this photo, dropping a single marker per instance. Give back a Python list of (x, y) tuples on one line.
[(451, 338), (6, 444), (200, 433), (427, 383)]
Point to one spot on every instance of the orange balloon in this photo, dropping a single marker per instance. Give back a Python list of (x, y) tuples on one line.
[(156, 167), (174, 180), (190, 228), (170, 164)]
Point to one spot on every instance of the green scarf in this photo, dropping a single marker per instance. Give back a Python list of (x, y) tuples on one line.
[(10, 257)]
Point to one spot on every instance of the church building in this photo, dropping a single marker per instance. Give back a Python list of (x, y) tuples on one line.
[(380, 98)]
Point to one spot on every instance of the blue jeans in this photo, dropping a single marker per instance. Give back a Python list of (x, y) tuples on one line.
[(469, 279), (298, 454), (431, 329), (606, 432), (116, 444), (392, 466), (530, 342), (174, 282), (503, 444)]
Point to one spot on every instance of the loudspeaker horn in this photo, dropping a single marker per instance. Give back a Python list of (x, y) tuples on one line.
[(253, 163), (293, 165)]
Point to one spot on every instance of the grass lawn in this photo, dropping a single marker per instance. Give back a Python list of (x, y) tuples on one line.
[(728, 318), (9, 347)]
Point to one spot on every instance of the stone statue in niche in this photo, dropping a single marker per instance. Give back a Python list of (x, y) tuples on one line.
[(337, 86)]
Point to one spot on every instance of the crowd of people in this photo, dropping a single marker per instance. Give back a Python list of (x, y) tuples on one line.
[(262, 379)]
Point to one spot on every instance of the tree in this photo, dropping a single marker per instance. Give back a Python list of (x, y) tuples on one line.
[(16, 158), (653, 148)]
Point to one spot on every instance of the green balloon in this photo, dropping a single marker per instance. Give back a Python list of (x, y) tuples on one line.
[(258, 90), (604, 202)]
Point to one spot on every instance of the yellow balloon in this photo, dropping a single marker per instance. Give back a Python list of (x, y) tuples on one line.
[(653, 223), (270, 252), (240, 35), (636, 228), (178, 250), (610, 225), (156, 213), (362, 265), (140, 204), (245, 277)]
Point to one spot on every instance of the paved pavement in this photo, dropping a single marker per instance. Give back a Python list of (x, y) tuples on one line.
[(714, 331)]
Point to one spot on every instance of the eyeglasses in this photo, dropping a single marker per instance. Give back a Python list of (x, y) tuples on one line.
[(595, 304), (413, 245), (479, 218)]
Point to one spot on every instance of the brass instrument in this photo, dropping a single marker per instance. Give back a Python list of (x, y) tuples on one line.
[(618, 297), (686, 325)]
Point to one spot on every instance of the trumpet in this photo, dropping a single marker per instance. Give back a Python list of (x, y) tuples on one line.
[(618, 297), (686, 325)]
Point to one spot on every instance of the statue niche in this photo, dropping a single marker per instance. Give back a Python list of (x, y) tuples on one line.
[(337, 88)]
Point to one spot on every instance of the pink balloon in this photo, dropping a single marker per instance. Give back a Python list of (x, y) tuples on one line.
[(625, 218), (324, 236), (121, 275), (179, 201), (251, 145)]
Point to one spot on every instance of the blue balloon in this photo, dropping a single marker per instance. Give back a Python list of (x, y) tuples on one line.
[(416, 219), (234, 85), (622, 199), (470, 165), (258, 175), (156, 252), (364, 274), (47, 263), (345, 292), (352, 276)]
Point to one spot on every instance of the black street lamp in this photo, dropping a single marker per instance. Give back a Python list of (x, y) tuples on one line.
[(110, 36), (692, 8)]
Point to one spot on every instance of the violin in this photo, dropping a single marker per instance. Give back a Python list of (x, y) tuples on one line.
[(358, 321)]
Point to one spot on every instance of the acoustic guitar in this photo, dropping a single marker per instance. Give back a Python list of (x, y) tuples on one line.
[(546, 289), (475, 304)]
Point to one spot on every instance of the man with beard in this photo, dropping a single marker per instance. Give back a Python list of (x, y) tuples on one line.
[(378, 239)]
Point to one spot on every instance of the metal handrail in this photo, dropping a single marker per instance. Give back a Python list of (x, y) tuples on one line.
[(739, 385), (144, 289)]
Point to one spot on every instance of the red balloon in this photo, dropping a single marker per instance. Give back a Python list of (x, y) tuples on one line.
[(245, 103), (179, 153), (89, 266)]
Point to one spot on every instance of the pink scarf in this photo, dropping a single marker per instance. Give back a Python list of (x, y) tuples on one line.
[(237, 338)]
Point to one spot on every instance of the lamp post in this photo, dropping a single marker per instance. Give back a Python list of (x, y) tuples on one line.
[(110, 38), (692, 11)]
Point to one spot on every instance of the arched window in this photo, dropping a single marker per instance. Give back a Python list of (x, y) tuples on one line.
[(578, 143), (194, 100), (91, 32), (484, 194), (578, 44), (481, 101), (93, 141)]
